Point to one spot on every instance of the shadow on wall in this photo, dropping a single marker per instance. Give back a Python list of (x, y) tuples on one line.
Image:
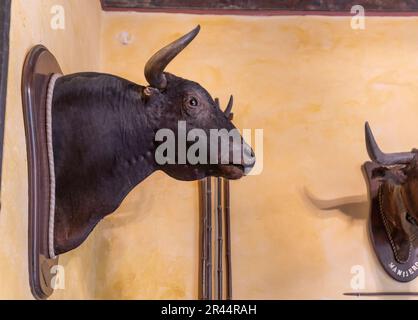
[(357, 208), (111, 229)]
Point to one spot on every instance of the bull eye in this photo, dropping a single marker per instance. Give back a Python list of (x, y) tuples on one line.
[(411, 219), (193, 102)]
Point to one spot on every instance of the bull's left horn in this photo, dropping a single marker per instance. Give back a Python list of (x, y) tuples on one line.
[(384, 158), (229, 106), (155, 66)]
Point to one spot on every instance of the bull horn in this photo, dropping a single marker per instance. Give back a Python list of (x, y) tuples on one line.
[(384, 158), (229, 106), (155, 66)]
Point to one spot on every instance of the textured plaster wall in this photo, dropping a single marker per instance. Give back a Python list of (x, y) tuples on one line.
[(309, 82), (76, 49)]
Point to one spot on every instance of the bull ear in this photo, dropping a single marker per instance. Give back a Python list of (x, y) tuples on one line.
[(217, 102), (384, 158), (155, 66)]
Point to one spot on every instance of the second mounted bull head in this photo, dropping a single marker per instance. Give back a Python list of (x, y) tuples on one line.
[(92, 138), (393, 189)]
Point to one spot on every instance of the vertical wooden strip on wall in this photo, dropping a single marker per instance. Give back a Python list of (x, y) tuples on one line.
[(219, 239), (4, 65), (203, 238), (228, 262), (209, 237)]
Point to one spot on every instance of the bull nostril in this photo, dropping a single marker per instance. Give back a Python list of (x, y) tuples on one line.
[(248, 151)]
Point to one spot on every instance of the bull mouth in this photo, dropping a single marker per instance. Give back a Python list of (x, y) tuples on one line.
[(232, 171)]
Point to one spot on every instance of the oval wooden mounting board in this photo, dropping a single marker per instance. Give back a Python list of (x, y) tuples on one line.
[(39, 65), (402, 272)]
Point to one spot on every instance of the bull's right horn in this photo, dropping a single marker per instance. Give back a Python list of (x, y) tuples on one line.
[(229, 106), (154, 69)]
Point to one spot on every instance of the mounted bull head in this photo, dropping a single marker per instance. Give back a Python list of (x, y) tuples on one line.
[(104, 129), (393, 183)]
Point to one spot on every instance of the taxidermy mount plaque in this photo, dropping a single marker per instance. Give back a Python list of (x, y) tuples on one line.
[(393, 189), (40, 64), (91, 140)]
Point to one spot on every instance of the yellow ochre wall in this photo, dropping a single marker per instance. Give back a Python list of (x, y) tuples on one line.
[(309, 82), (76, 49)]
